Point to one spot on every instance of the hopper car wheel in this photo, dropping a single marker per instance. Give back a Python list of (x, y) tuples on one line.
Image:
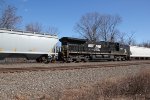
[(45, 59), (38, 60)]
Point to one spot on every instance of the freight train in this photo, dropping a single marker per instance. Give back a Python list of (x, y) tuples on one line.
[(42, 48)]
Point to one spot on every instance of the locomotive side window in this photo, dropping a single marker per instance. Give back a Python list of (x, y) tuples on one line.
[(98, 46), (117, 46), (64, 43), (90, 45)]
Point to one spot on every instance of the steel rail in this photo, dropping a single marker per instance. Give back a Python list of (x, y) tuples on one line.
[(70, 67)]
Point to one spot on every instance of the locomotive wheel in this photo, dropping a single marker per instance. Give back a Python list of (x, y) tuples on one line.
[(78, 60), (115, 59), (123, 59), (69, 60), (119, 58), (86, 60)]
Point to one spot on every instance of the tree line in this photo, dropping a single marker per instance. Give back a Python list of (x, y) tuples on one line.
[(92, 26)]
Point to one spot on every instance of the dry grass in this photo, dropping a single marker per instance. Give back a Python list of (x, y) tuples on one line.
[(83, 93), (128, 88), (33, 97)]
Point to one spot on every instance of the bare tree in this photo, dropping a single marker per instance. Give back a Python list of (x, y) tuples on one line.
[(95, 27), (9, 19), (88, 26), (122, 38), (52, 30), (145, 44), (108, 27), (38, 27), (34, 27), (130, 39)]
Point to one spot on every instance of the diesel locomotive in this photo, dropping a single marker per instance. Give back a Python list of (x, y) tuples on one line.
[(74, 49)]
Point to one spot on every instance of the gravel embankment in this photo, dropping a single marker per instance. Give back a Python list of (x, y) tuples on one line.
[(33, 84)]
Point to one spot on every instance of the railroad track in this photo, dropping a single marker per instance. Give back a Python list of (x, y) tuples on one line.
[(70, 67)]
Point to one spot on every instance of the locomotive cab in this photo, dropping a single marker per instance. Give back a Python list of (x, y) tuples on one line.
[(70, 48)]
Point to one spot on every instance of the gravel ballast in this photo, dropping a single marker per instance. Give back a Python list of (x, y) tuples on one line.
[(36, 83)]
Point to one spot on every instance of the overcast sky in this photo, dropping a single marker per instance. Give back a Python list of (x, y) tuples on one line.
[(63, 14)]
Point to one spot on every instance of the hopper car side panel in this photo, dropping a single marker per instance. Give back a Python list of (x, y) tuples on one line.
[(139, 53), (30, 45)]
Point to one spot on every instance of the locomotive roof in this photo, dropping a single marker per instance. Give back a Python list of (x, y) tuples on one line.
[(72, 40)]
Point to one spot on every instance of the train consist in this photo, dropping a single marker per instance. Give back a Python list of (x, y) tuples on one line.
[(42, 48)]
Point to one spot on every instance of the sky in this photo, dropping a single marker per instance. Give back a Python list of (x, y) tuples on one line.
[(64, 14)]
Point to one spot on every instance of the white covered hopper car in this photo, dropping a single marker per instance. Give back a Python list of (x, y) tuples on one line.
[(30, 45), (140, 53)]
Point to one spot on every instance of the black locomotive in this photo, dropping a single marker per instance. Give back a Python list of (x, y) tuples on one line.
[(74, 49)]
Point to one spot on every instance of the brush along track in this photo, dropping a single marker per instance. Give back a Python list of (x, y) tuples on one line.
[(70, 67)]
